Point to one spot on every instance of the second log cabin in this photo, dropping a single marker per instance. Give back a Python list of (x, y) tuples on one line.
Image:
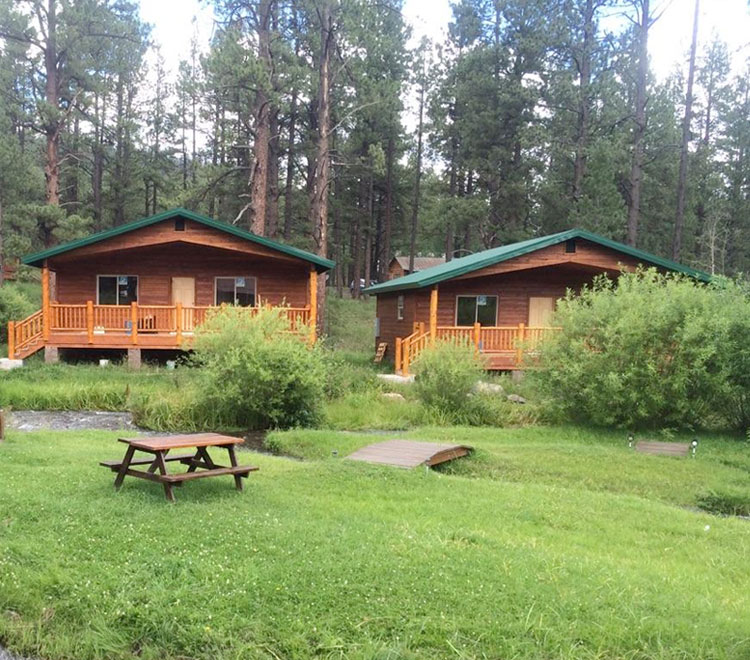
[(500, 299)]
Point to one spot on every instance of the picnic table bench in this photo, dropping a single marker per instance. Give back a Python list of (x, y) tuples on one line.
[(200, 459)]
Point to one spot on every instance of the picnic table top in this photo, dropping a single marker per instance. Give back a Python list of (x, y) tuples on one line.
[(164, 442)]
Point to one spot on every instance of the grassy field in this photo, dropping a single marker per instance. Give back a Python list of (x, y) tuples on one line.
[(549, 543)]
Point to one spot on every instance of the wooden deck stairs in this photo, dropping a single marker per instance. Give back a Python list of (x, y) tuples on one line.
[(409, 454), (26, 337)]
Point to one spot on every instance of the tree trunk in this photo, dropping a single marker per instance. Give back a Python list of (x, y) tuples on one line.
[(272, 210), (259, 171), (639, 131), (52, 125), (321, 171), (417, 182), (679, 220), (388, 217), (2, 261), (584, 109), (289, 186)]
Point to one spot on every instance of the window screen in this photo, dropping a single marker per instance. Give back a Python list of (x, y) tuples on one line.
[(235, 291), (117, 289), (400, 308), (476, 309)]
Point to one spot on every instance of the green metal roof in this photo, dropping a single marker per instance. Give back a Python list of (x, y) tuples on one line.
[(456, 267), (320, 263)]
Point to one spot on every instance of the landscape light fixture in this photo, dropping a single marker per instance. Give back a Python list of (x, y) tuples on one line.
[(630, 439), (694, 446)]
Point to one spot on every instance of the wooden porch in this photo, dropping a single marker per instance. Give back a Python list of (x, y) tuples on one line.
[(134, 326), (505, 348)]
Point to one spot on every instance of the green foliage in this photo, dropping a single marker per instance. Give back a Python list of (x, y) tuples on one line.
[(653, 351), (257, 372), (14, 306), (736, 503), (445, 374)]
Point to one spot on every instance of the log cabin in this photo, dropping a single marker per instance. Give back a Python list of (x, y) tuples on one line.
[(399, 265), (148, 284), (500, 299)]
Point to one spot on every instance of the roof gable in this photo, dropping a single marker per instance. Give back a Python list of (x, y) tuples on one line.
[(320, 263), (473, 262)]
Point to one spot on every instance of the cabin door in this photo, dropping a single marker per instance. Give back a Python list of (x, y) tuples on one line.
[(183, 291), (540, 311)]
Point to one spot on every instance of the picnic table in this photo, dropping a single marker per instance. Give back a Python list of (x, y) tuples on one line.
[(200, 464)]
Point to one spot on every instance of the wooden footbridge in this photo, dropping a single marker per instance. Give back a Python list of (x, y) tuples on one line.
[(409, 454)]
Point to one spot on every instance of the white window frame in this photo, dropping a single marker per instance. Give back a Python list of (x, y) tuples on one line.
[(137, 287), (234, 277), (476, 295), (400, 304)]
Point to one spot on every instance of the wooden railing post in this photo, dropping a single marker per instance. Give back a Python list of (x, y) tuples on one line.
[(178, 323), (11, 340), (313, 305), (519, 344), (45, 303), (134, 322), (397, 358), (433, 314), (90, 320), (477, 335), (421, 327), (405, 357)]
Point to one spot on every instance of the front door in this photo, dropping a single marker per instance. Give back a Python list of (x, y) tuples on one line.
[(540, 311), (183, 291)]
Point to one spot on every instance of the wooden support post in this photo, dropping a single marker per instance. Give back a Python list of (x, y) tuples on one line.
[(45, 303), (134, 322), (178, 323), (519, 344), (405, 357), (433, 314), (11, 339), (420, 327), (313, 305), (477, 336), (397, 357), (90, 320)]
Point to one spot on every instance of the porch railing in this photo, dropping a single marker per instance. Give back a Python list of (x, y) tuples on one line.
[(125, 320), (511, 341)]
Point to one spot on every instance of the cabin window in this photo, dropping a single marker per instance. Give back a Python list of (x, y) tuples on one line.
[(116, 289), (476, 309), (400, 308), (179, 224), (570, 245), (238, 291)]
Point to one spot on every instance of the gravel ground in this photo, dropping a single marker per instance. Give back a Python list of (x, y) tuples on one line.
[(7, 655), (36, 420)]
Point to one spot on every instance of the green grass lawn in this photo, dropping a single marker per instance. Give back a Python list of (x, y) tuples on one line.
[(549, 543)]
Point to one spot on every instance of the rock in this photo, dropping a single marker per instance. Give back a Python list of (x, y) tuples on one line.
[(393, 396), (6, 364), (488, 388), (395, 378), (515, 398)]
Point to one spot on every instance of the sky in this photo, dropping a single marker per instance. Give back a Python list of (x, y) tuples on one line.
[(173, 27)]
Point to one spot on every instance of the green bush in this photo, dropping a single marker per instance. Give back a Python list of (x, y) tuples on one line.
[(651, 350), (256, 372), (445, 374), (725, 503), (14, 306)]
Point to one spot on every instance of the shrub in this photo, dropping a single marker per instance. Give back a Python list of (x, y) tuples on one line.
[(651, 350), (725, 503), (445, 374), (14, 306), (257, 372)]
